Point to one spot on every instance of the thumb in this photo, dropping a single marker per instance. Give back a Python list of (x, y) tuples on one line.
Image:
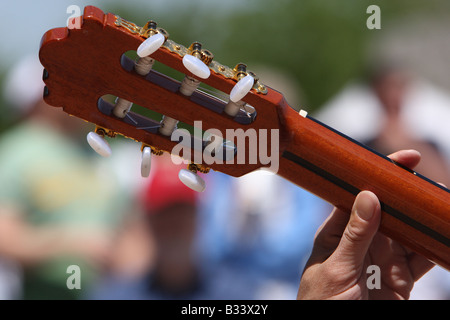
[(360, 230)]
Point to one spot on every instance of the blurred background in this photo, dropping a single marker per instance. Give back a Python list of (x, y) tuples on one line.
[(387, 87)]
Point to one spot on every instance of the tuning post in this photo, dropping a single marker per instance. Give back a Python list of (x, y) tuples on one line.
[(196, 62), (122, 107), (233, 108), (155, 39), (189, 85), (191, 179), (168, 126), (144, 63)]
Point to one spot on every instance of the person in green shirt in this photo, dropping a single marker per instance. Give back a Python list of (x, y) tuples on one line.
[(56, 208)]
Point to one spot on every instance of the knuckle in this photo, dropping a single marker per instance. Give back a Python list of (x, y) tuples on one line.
[(354, 233)]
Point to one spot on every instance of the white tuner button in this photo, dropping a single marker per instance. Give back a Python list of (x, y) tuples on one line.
[(241, 88), (150, 45), (196, 66), (192, 180), (146, 162), (99, 144)]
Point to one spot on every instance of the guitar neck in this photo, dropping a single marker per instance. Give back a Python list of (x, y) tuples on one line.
[(415, 210)]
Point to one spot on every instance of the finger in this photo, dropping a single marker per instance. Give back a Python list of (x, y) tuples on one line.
[(360, 230), (330, 232), (328, 236), (407, 158), (419, 265)]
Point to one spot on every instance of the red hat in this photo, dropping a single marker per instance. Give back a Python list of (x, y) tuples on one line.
[(165, 188)]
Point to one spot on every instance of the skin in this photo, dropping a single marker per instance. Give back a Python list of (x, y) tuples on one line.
[(347, 243)]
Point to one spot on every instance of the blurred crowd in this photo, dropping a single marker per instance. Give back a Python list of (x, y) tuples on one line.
[(136, 238)]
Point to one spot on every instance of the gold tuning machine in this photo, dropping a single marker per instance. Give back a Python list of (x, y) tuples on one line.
[(206, 56), (151, 28)]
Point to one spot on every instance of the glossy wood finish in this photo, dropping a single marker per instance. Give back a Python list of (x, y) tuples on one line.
[(415, 211), (83, 65)]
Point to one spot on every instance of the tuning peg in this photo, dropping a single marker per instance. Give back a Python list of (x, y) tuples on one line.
[(142, 66), (99, 144), (146, 161), (192, 180), (144, 63), (196, 66), (242, 87), (150, 45), (196, 61)]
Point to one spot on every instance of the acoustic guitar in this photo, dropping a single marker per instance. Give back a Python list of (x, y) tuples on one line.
[(83, 65)]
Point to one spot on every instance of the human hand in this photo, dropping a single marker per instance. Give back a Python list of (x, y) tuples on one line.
[(345, 245)]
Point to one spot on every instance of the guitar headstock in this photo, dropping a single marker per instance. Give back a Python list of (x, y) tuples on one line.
[(84, 65)]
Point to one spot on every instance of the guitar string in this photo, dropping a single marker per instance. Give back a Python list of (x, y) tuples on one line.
[(216, 94), (131, 118), (224, 97)]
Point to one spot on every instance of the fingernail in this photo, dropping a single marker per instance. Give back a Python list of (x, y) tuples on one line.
[(414, 151), (365, 206)]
